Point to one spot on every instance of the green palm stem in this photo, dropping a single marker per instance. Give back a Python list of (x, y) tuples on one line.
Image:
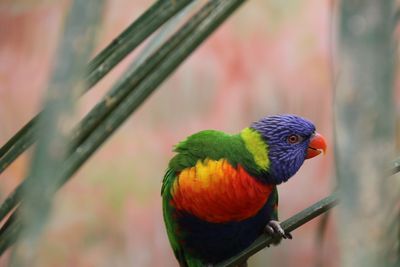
[(365, 132), (106, 60), (131, 79), (51, 150), (288, 225), (172, 54)]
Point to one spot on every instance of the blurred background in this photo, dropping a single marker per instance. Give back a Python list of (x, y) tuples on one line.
[(270, 57)]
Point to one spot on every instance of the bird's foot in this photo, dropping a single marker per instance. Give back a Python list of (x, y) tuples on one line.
[(275, 229)]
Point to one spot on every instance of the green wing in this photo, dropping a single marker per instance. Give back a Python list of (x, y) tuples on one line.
[(206, 144), (202, 145), (167, 212), (214, 145)]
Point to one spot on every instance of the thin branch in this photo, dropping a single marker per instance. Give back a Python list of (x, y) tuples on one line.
[(134, 91), (395, 167), (105, 61), (289, 225)]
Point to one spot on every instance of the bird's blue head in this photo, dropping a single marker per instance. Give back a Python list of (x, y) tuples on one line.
[(291, 140)]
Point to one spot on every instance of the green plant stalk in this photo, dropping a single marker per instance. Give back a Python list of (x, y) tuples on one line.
[(220, 11), (289, 225), (394, 167), (11, 233), (81, 131), (51, 150), (159, 38), (129, 39), (118, 93), (13, 142), (263, 241), (20, 142), (365, 121), (133, 77), (107, 59)]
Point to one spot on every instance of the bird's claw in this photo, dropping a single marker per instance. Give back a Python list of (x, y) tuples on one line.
[(274, 228)]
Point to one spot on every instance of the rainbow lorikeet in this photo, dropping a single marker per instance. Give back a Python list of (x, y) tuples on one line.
[(219, 191)]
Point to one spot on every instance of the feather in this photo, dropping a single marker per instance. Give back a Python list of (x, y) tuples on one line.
[(219, 191)]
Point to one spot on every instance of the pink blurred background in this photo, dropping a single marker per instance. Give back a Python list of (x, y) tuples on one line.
[(269, 57)]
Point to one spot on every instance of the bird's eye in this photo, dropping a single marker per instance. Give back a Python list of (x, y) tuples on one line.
[(294, 139)]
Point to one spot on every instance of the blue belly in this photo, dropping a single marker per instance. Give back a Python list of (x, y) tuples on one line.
[(215, 242)]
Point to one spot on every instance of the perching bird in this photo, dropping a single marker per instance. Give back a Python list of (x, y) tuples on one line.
[(219, 191)]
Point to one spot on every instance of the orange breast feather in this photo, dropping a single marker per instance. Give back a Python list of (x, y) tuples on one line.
[(215, 191)]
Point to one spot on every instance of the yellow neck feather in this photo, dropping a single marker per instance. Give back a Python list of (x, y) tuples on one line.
[(256, 146)]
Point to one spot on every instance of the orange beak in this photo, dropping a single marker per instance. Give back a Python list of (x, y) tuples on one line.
[(317, 146)]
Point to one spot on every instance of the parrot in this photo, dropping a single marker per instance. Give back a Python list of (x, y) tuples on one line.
[(219, 192)]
